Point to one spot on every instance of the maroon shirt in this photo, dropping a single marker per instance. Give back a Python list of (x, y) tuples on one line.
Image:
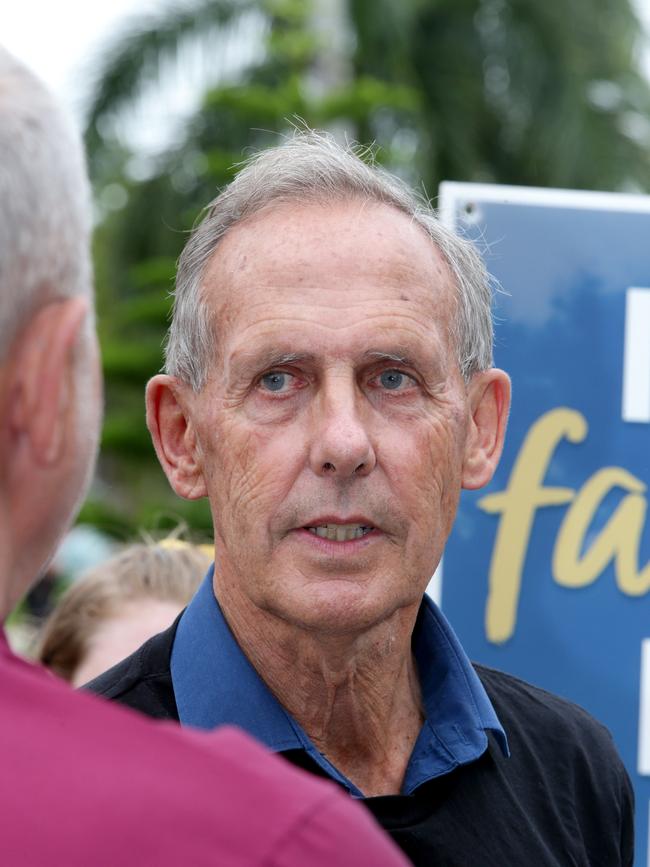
[(83, 782)]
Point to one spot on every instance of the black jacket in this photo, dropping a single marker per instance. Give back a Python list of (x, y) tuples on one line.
[(562, 798)]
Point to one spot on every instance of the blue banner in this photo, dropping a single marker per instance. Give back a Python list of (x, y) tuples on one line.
[(547, 572)]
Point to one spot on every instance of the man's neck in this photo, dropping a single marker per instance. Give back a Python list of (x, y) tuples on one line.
[(12, 582), (356, 696), (5, 563)]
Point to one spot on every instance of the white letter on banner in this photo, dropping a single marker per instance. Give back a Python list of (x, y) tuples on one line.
[(636, 356), (643, 758)]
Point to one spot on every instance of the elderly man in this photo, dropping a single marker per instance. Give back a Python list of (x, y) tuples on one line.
[(83, 783), (330, 389)]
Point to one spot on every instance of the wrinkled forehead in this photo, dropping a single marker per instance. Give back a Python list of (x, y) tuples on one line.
[(361, 254)]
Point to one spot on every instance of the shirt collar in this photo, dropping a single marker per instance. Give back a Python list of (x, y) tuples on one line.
[(215, 684)]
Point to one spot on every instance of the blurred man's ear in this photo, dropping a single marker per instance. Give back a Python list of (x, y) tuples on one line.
[(489, 403), (42, 379), (174, 437)]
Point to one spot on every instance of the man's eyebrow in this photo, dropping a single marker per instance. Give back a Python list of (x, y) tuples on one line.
[(399, 356), (264, 360)]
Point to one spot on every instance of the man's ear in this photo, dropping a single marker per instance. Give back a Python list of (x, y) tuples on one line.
[(489, 400), (42, 374), (174, 436)]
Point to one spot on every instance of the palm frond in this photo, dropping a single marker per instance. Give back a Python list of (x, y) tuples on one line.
[(133, 56)]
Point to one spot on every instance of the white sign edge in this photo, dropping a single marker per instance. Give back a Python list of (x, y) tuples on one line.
[(450, 192)]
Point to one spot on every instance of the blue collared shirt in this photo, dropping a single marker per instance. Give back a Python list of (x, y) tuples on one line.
[(215, 684)]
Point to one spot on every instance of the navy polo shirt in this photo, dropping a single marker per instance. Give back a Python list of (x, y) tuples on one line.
[(215, 684)]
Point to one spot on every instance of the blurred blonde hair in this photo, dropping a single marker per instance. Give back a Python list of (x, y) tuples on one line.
[(167, 571)]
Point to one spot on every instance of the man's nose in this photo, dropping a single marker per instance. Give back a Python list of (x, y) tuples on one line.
[(341, 445)]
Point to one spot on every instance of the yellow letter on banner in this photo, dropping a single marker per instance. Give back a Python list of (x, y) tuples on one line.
[(517, 504), (618, 540)]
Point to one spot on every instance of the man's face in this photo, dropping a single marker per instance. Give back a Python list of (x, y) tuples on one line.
[(331, 434)]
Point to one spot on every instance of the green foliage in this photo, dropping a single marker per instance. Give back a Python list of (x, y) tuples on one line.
[(512, 91)]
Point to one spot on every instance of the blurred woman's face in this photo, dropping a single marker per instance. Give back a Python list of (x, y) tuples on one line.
[(120, 635)]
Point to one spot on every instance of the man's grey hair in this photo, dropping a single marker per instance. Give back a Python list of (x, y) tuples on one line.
[(45, 218), (313, 167)]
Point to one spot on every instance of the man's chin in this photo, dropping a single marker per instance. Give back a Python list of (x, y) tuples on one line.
[(338, 607)]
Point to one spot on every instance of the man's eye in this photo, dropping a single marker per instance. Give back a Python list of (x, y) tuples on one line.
[(395, 380), (276, 381)]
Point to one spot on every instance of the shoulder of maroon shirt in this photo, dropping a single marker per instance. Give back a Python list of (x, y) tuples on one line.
[(87, 782)]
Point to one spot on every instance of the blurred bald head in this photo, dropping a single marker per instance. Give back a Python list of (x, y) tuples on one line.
[(49, 377)]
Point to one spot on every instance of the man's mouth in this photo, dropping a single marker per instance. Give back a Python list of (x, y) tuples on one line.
[(340, 532)]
